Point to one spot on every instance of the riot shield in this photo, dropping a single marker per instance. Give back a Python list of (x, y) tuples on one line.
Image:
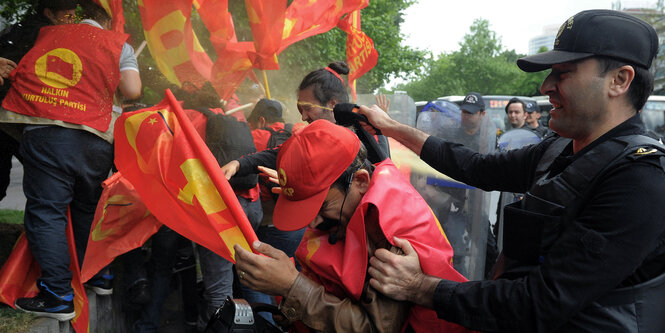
[(510, 140), (463, 211), (402, 107)]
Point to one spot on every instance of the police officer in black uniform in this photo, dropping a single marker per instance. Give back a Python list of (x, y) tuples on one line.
[(584, 251)]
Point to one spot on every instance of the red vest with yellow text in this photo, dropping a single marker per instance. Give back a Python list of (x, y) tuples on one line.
[(70, 75), (342, 267)]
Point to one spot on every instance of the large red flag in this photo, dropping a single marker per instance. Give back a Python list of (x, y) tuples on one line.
[(306, 18), (360, 52), (19, 274), (158, 150), (174, 46), (122, 223)]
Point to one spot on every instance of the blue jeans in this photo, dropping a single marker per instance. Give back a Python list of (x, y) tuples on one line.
[(62, 168), (217, 272)]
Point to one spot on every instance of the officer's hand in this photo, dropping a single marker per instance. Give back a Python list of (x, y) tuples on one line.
[(396, 276), (272, 273), (377, 118), (230, 169)]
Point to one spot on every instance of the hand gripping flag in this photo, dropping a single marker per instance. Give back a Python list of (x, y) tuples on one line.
[(122, 223), (19, 274), (158, 150)]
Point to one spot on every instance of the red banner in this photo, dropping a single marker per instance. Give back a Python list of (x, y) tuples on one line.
[(174, 46), (122, 223), (361, 56), (158, 150), (305, 18)]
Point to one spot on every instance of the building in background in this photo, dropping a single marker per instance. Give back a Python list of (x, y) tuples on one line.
[(545, 40)]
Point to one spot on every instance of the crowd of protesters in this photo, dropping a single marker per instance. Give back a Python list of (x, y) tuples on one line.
[(345, 242)]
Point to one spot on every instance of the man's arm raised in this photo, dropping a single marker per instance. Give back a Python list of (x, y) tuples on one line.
[(404, 134)]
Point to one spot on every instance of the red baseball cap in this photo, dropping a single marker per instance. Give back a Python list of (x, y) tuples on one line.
[(308, 163)]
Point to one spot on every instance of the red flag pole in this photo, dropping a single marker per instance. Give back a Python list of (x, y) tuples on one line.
[(211, 165)]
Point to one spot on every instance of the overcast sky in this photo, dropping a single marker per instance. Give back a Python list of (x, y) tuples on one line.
[(439, 25)]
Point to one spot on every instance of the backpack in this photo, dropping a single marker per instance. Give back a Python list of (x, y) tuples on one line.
[(278, 137), (228, 139)]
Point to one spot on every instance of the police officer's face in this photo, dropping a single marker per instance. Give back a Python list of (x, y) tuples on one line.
[(311, 109), (471, 121), (532, 118), (516, 115), (577, 92)]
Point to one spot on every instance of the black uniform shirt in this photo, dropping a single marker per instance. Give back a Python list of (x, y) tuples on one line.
[(615, 240)]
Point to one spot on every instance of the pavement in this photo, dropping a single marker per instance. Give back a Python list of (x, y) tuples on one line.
[(15, 198)]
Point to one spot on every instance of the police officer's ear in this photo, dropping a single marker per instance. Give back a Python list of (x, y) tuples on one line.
[(361, 181), (620, 80)]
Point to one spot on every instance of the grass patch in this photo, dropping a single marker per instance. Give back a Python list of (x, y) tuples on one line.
[(11, 216), (14, 320)]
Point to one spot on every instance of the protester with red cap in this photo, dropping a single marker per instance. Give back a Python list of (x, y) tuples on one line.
[(352, 208)]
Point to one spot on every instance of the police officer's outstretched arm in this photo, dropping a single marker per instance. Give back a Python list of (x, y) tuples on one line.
[(404, 134)]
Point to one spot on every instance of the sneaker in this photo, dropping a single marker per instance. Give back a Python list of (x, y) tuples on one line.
[(48, 304), (102, 286)]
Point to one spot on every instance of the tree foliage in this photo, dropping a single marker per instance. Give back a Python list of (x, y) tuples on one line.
[(481, 64)]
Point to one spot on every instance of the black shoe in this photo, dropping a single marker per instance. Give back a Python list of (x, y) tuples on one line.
[(47, 304), (139, 292), (102, 286)]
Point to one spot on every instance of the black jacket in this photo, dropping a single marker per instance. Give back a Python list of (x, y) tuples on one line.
[(615, 239)]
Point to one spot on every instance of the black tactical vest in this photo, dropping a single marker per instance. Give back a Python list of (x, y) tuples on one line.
[(533, 225)]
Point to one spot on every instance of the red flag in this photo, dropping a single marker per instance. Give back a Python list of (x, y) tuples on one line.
[(233, 63), (174, 46), (306, 18), (360, 52), (122, 223), (341, 267), (114, 9), (158, 150), (266, 18), (18, 278)]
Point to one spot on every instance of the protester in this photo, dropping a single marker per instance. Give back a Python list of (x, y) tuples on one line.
[(533, 120), (516, 111), (15, 42), (66, 144), (318, 93), (328, 183), (585, 249)]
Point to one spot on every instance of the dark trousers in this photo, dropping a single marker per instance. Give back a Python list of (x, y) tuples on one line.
[(62, 168)]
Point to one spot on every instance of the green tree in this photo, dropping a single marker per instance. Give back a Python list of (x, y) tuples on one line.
[(481, 64)]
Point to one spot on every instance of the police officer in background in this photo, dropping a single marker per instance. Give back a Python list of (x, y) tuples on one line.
[(533, 120), (584, 251)]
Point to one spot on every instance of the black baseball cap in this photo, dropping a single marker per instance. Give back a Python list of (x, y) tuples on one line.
[(267, 108), (473, 102), (531, 107), (598, 32)]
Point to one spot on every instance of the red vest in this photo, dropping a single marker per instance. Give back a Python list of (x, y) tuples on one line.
[(342, 267), (70, 75)]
